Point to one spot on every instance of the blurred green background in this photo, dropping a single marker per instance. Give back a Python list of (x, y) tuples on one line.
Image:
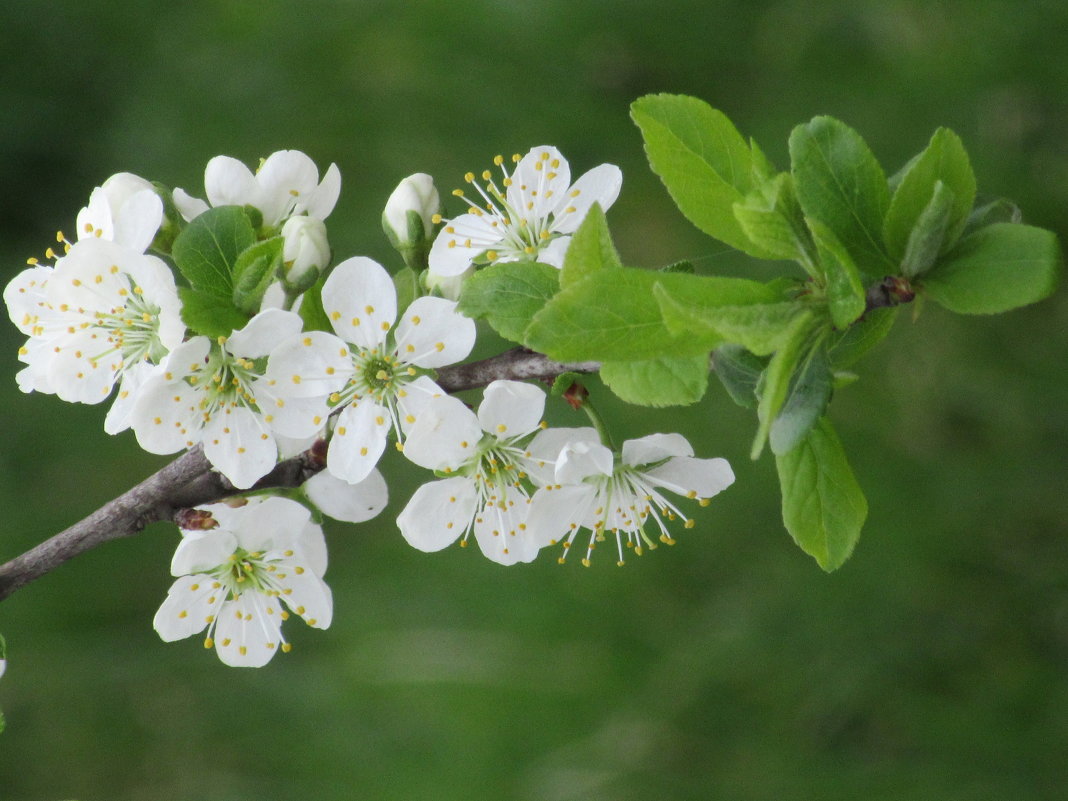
[(934, 665)]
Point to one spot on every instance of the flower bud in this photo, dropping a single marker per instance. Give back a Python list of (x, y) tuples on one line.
[(408, 218), (305, 252)]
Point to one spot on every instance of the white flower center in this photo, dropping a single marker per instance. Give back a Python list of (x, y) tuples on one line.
[(523, 231), (252, 575), (248, 571), (133, 329), (626, 502), (380, 377), (225, 381)]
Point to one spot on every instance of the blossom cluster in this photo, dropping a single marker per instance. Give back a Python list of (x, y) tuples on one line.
[(334, 355)]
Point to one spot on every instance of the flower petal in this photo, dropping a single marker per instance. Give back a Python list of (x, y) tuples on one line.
[(553, 254), (350, 503), (445, 435), (361, 302), (501, 530), (685, 475), (311, 364), (263, 332), (438, 513), (599, 185), (556, 514), (138, 220), (201, 551), (654, 448), (248, 632), (296, 418), (431, 333), (75, 375), (238, 445), (544, 450), (511, 409), (25, 298), (541, 177), (459, 242), (413, 397), (118, 418), (190, 207), (272, 524), (311, 545), (228, 182), (286, 178), (165, 416), (580, 460), (359, 440), (190, 603), (324, 198), (308, 596)]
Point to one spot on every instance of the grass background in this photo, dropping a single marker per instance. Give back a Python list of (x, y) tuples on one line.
[(933, 665)]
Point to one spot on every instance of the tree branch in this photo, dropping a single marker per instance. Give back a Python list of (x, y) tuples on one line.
[(189, 480)]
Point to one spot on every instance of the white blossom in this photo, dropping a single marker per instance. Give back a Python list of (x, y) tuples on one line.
[(214, 392), (237, 578), (529, 216), (621, 495), (103, 314), (371, 370), (487, 464), (286, 184)]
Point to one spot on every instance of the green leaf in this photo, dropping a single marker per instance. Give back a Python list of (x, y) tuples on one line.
[(703, 161), (311, 307), (612, 315), (206, 251), (775, 381), (845, 292), (806, 401), (1000, 267), (254, 270), (862, 336), (762, 168), (508, 295), (823, 507), (739, 371), (758, 327), (771, 217), (839, 183), (944, 160), (930, 233), (210, 315), (591, 248), (665, 381)]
